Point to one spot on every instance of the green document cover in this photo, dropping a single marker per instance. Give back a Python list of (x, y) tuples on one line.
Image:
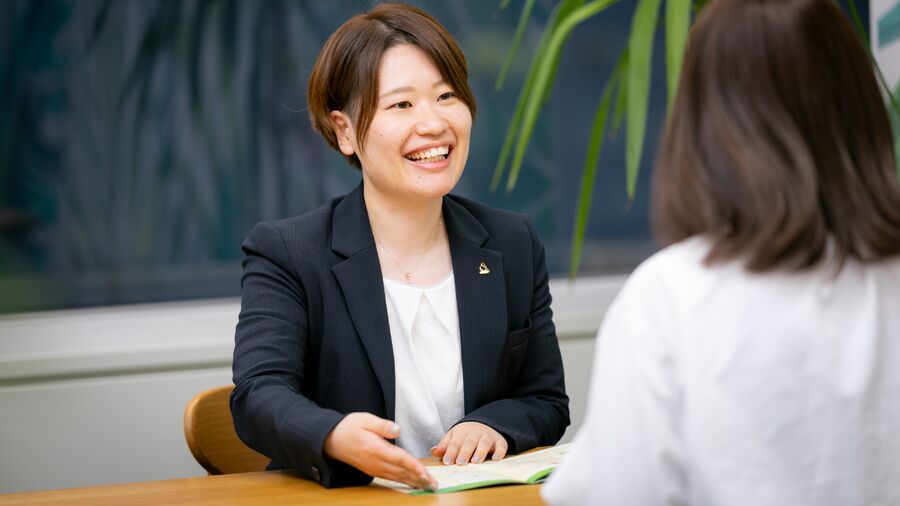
[(529, 468)]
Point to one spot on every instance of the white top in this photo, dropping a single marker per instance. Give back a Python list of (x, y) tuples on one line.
[(427, 366), (713, 386)]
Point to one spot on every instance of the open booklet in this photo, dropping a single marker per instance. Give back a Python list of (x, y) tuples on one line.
[(529, 468)]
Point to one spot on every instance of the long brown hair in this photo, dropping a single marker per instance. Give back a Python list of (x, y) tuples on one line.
[(779, 140), (345, 75)]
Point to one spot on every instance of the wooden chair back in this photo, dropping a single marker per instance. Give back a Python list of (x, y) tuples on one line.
[(209, 431)]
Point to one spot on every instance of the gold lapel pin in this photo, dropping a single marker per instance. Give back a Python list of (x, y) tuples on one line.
[(483, 269)]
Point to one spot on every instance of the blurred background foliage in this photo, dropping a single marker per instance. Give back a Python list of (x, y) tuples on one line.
[(626, 90), (140, 140)]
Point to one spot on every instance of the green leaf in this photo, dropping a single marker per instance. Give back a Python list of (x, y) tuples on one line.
[(513, 128), (562, 10), (543, 77), (621, 96), (640, 53), (568, 7), (857, 22), (678, 21), (589, 172), (514, 47)]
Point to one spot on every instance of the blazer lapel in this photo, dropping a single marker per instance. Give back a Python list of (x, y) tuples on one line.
[(480, 301), (360, 278), (480, 295)]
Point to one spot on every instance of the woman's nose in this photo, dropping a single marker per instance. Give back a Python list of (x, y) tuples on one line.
[(430, 124)]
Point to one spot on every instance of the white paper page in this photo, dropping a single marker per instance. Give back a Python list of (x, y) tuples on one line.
[(522, 467), (518, 468)]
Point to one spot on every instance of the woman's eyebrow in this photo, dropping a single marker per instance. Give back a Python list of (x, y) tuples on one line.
[(407, 89), (397, 91)]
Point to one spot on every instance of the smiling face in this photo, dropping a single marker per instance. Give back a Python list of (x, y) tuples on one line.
[(418, 140)]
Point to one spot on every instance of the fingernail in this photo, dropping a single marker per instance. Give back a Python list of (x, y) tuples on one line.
[(395, 428), (447, 461), (475, 460), (496, 457), (460, 461)]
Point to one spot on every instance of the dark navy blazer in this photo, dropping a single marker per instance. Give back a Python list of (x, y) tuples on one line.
[(313, 342)]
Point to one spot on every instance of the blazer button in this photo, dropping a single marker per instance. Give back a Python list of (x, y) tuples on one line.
[(315, 473)]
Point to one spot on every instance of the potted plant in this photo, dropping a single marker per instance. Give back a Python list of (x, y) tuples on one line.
[(625, 94)]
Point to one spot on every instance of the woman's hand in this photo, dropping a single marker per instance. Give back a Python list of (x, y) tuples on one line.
[(359, 440), (470, 442)]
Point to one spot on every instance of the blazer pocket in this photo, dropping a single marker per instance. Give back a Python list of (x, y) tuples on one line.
[(518, 336)]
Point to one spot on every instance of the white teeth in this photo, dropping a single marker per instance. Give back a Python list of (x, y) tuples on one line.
[(429, 153)]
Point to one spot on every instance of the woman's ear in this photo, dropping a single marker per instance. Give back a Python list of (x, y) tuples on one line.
[(343, 129)]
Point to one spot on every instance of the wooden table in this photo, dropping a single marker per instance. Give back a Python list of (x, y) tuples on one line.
[(263, 488)]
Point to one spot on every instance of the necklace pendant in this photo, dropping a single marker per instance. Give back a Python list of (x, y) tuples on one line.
[(407, 275)]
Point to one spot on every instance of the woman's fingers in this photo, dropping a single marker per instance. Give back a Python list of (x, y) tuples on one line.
[(439, 449), (500, 449), (453, 446), (393, 463), (384, 428), (380, 452), (467, 448), (397, 465), (400, 458), (359, 440), (470, 442), (401, 474), (485, 444)]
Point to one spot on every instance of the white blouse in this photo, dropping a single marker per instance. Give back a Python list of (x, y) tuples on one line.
[(424, 327), (714, 386)]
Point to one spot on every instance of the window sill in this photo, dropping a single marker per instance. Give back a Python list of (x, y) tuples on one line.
[(120, 340)]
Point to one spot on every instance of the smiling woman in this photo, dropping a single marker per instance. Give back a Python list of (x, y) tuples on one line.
[(397, 311), (419, 131)]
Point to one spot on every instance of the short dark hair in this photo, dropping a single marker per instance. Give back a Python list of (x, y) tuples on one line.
[(778, 141), (345, 75)]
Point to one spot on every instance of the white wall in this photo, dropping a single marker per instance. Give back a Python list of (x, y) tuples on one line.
[(97, 396)]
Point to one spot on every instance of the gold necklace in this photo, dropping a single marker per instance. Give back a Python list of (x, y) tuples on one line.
[(407, 275)]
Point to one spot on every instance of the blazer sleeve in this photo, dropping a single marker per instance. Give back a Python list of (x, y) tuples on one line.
[(270, 413), (536, 411)]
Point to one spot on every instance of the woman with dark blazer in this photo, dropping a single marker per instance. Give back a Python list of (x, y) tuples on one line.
[(396, 312)]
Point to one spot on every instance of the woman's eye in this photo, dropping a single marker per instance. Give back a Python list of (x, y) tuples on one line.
[(401, 105), (447, 96)]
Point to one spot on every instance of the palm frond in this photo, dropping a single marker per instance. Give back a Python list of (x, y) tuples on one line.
[(589, 171), (543, 79), (559, 12), (678, 21), (514, 46), (621, 101), (640, 51)]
